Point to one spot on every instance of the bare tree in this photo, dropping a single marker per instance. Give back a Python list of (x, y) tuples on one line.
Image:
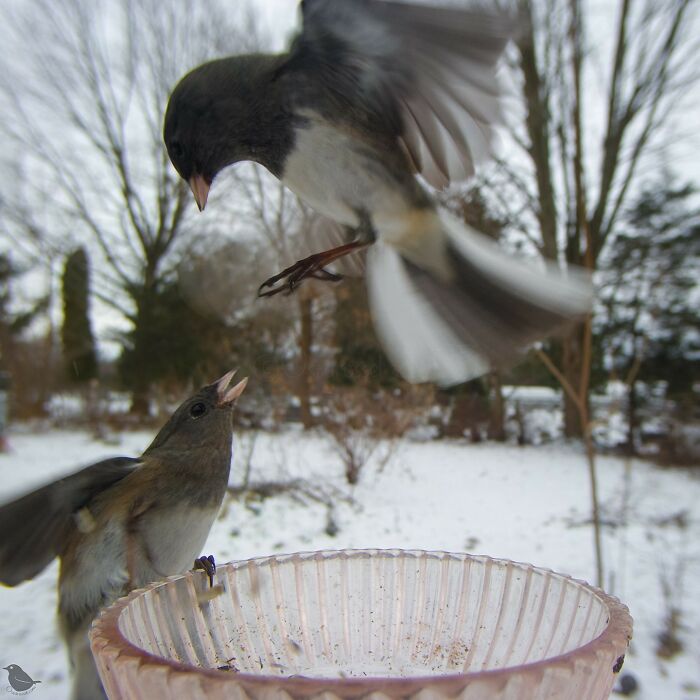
[(579, 164), (590, 129), (84, 116), (286, 226)]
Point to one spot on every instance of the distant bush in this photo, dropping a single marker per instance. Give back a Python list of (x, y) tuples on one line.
[(680, 447)]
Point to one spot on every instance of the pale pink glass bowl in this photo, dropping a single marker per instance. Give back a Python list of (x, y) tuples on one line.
[(361, 623)]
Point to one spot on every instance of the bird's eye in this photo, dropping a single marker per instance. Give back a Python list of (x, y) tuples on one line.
[(198, 410), (176, 149)]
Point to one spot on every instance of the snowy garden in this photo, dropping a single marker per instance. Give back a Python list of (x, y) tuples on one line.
[(579, 453)]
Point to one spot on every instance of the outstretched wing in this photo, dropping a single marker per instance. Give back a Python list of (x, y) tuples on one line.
[(33, 528), (428, 73)]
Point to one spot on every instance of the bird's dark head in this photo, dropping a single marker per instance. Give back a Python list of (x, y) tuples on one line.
[(215, 117), (203, 420)]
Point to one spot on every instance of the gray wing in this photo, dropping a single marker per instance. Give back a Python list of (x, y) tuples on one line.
[(34, 527), (428, 72)]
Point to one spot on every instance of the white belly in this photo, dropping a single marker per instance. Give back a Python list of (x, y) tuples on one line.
[(174, 539), (335, 177), (167, 544)]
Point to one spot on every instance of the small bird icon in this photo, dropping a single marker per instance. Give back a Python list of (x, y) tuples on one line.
[(19, 680)]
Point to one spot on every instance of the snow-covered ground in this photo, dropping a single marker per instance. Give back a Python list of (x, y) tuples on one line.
[(528, 504)]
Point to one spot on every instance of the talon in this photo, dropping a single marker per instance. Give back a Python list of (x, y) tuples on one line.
[(208, 565), (326, 276), (312, 267)]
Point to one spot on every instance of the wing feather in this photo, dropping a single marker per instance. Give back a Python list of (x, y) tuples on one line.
[(434, 67), (33, 527)]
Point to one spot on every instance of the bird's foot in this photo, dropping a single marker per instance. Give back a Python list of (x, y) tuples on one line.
[(208, 565), (312, 267)]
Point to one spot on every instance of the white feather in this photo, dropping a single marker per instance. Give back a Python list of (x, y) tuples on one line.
[(420, 345), (544, 284)]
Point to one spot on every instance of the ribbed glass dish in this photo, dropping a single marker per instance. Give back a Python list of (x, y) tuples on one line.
[(360, 623)]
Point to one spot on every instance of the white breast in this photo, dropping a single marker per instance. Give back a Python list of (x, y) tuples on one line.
[(175, 538), (99, 573), (167, 543), (335, 175)]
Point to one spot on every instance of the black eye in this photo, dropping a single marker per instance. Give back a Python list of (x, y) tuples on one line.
[(176, 149), (198, 410)]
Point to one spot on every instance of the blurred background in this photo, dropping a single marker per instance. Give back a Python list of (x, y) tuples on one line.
[(117, 298)]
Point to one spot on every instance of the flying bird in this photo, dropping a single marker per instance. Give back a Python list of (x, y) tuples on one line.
[(375, 104), (122, 523)]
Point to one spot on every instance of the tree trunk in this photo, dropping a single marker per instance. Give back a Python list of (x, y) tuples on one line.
[(571, 368), (305, 343), (140, 403), (632, 402), (138, 375), (469, 414), (459, 417), (497, 414)]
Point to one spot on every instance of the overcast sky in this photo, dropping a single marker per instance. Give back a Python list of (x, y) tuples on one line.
[(280, 16)]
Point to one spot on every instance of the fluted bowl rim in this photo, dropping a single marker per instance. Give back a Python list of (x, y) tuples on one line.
[(106, 636)]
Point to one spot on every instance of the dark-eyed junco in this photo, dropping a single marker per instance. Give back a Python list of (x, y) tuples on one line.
[(370, 94), (122, 523)]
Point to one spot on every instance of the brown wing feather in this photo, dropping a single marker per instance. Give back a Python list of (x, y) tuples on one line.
[(34, 527)]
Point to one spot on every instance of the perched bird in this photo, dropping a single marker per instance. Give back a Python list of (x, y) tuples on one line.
[(371, 94), (122, 523), (19, 679)]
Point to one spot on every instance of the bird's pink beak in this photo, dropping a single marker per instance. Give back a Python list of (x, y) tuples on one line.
[(228, 396), (200, 190)]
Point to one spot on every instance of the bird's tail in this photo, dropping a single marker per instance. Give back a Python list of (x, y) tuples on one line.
[(474, 309)]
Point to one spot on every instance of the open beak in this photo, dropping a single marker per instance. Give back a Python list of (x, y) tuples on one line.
[(228, 396), (200, 190)]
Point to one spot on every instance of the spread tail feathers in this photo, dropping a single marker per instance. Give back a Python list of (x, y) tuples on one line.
[(484, 311)]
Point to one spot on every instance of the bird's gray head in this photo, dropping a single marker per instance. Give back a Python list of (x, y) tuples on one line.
[(203, 420), (214, 118)]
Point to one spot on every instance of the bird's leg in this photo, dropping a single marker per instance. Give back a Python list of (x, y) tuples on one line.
[(131, 554), (313, 267), (208, 565), (365, 230), (308, 268)]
